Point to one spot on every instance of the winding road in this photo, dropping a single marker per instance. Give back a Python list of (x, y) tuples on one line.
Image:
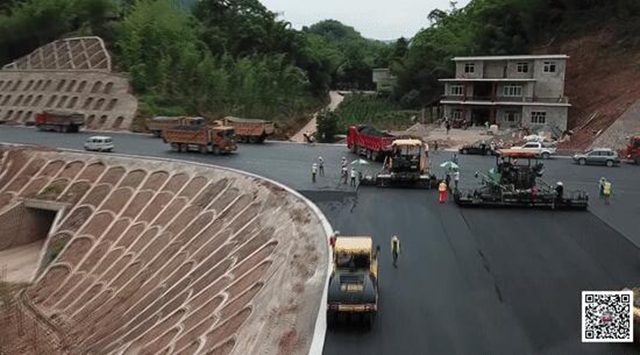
[(470, 281)]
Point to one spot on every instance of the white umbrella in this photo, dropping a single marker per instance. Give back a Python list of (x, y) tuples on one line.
[(450, 166), (359, 162)]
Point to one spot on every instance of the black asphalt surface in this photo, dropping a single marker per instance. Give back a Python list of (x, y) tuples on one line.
[(469, 281)]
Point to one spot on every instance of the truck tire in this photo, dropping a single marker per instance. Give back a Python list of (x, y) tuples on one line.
[(181, 148), (216, 150), (203, 149), (253, 140), (464, 151)]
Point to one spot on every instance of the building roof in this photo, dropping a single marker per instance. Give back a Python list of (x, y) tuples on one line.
[(354, 244), (512, 57)]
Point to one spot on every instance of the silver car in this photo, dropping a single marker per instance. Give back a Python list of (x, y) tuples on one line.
[(599, 156)]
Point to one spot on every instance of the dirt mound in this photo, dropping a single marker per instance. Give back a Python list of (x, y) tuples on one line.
[(156, 263), (602, 82)]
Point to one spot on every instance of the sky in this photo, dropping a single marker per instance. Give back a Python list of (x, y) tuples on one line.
[(377, 19)]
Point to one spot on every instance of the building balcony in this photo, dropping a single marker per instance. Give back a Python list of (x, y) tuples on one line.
[(505, 100)]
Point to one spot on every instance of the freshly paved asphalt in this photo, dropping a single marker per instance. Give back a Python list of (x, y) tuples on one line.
[(469, 281)]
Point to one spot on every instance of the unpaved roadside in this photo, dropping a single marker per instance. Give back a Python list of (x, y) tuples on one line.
[(336, 99)]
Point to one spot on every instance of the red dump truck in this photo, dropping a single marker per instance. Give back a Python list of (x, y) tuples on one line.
[(158, 124), (59, 121), (250, 130), (205, 139), (370, 142), (632, 151)]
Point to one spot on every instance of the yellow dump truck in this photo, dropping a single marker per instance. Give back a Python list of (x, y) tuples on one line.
[(250, 130), (158, 124), (205, 139)]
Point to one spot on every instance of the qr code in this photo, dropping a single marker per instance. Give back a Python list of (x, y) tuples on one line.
[(607, 316)]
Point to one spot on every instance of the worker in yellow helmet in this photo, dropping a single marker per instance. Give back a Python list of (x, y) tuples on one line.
[(606, 192)]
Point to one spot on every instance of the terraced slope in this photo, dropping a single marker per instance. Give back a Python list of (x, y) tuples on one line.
[(164, 258)]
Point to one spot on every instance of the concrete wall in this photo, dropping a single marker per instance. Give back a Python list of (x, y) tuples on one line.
[(549, 85), (556, 116), (512, 69), (495, 69), (479, 69), (103, 97), (501, 114), (22, 225)]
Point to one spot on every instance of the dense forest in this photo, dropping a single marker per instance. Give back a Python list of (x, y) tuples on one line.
[(217, 57), (210, 57)]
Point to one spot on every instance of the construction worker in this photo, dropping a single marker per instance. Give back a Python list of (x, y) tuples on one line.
[(353, 177), (601, 186), (314, 171), (455, 158), (442, 192), (448, 179), (559, 190), (606, 192), (396, 249), (344, 174), (456, 178), (321, 166), (343, 162)]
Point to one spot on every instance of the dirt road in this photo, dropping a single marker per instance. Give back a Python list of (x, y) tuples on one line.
[(336, 99)]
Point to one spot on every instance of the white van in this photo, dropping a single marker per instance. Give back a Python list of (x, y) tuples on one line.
[(99, 143)]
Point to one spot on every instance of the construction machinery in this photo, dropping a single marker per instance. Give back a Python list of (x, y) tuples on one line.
[(407, 165), (369, 142), (516, 181), (250, 130), (631, 152), (205, 139), (353, 284), (59, 121), (158, 124)]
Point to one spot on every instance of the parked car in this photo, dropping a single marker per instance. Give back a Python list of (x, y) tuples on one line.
[(99, 144), (477, 148), (599, 156), (539, 149)]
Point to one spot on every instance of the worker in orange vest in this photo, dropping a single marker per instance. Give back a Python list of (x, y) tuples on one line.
[(442, 191)]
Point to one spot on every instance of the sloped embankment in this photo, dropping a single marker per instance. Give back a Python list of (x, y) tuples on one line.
[(163, 258)]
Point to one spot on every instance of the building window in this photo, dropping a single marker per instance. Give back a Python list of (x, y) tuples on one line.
[(456, 90), (549, 67), (456, 114), (512, 116), (538, 117), (469, 68), (522, 68), (512, 91)]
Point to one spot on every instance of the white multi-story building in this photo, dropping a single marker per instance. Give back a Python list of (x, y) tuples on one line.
[(511, 91)]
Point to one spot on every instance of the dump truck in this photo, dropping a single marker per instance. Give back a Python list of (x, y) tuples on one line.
[(517, 181), (353, 284), (369, 142), (632, 152), (59, 121), (158, 124), (250, 130), (407, 165), (205, 139)]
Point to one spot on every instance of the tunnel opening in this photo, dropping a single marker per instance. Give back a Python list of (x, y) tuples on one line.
[(23, 235)]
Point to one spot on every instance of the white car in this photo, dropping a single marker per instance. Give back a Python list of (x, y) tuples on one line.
[(540, 149), (99, 144)]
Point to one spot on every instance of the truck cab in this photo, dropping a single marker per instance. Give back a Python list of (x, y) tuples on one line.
[(632, 152), (353, 285), (225, 138)]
